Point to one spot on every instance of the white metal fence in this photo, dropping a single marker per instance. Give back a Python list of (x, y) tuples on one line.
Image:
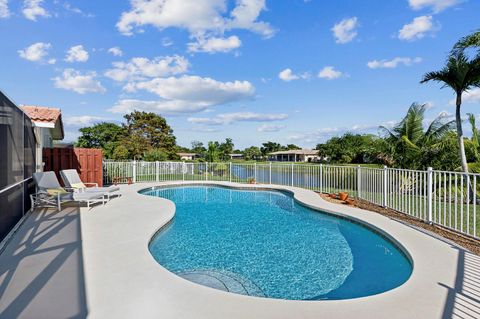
[(444, 198)]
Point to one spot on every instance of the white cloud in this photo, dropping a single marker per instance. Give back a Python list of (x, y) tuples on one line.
[(83, 120), (195, 89), (213, 45), (245, 14), (435, 5), (472, 96), (4, 12), (33, 9), (67, 6), (229, 118), (329, 73), (73, 80), (391, 64), (206, 21), (141, 68), (171, 107), (288, 75), (345, 30), (186, 94), (429, 105), (198, 17), (77, 54), (417, 29), (37, 52), (270, 128), (115, 51)]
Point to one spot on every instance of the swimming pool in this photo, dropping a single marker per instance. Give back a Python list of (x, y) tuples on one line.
[(264, 243)]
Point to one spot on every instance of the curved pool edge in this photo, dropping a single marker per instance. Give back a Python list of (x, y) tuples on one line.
[(120, 232), (292, 193)]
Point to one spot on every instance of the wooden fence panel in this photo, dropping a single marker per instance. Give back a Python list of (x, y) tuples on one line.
[(88, 162)]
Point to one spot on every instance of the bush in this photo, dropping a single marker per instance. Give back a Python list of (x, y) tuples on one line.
[(120, 153)]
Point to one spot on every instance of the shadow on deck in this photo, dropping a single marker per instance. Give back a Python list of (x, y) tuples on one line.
[(463, 301), (41, 269)]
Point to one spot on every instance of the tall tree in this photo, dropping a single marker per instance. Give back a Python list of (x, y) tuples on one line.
[(293, 147), (226, 148), (213, 152), (270, 147), (102, 135), (252, 153), (146, 131), (197, 147), (460, 74)]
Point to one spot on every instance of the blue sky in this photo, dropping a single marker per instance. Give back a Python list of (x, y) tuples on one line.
[(291, 71)]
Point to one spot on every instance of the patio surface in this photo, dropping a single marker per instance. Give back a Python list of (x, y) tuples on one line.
[(96, 263)]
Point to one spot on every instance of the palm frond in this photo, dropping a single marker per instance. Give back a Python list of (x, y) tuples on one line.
[(409, 144), (471, 40)]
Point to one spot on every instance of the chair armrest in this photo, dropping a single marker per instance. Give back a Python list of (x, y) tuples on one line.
[(93, 184)]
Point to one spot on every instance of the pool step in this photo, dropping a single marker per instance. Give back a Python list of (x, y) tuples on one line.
[(222, 280)]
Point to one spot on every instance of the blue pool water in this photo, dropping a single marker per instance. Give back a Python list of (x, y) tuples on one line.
[(263, 243)]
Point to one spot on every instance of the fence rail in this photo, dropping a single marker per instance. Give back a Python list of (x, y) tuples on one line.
[(449, 199)]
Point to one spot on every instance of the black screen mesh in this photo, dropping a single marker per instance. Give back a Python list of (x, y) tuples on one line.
[(17, 162)]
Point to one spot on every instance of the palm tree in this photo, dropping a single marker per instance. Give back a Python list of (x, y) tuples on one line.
[(460, 74), (408, 139)]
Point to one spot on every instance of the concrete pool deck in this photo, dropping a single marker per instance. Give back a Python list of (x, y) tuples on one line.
[(96, 263)]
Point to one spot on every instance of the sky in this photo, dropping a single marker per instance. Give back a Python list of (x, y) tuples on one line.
[(289, 71)]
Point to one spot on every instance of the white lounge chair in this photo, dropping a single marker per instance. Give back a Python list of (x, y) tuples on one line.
[(51, 193), (71, 179)]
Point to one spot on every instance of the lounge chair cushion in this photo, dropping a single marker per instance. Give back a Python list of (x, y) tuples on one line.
[(77, 185), (109, 189), (56, 191)]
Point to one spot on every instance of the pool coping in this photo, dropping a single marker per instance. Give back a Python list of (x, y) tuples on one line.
[(136, 285)]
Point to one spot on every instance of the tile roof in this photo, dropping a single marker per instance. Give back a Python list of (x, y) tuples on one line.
[(42, 114)]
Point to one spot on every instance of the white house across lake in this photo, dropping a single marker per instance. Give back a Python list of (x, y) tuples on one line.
[(304, 155)]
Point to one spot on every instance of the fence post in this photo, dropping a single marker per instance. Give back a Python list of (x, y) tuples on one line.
[(359, 180), (255, 172), (270, 173), (429, 194), (183, 170), (292, 174), (157, 171), (134, 171), (385, 185), (230, 172), (321, 179), (206, 171)]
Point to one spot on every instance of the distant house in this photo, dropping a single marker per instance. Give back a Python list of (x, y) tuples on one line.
[(188, 156), (48, 127), (236, 156), (304, 155)]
